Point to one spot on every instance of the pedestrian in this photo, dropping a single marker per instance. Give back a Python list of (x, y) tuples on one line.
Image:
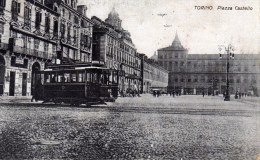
[(239, 95), (203, 94), (236, 95), (154, 93), (37, 91), (173, 93)]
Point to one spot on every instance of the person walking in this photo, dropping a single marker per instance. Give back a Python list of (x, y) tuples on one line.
[(203, 93)]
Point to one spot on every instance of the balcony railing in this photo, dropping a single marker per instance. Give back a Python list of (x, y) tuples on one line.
[(31, 52)]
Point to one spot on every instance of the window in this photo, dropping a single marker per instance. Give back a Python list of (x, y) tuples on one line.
[(27, 17), (46, 46), (81, 77), (38, 20), (69, 16), (75, 35), (62, 30), (54, 48), (55, 28), (1, 28), (2, 3), (76, 20), (68, 32), (16, 8), (47, 24), (36, 44)]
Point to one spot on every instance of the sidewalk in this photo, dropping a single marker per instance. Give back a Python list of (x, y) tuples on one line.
[(15, 99)]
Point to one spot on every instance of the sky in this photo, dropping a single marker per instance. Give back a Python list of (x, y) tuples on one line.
[(200, 31)]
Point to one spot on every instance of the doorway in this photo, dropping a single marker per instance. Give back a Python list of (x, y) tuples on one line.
[(24, 84), (2, 74), (12, 84), (35, 67)]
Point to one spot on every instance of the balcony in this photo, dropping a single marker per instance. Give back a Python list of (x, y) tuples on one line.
[(31, 52)]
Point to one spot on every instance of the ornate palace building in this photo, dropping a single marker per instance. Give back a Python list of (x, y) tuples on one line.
[(193, 73), (113, 47), (37, 33)]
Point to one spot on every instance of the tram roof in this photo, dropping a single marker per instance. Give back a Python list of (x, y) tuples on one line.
[(80, 66)]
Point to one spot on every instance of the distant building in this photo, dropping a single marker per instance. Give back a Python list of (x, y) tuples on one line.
[(194, 73), (153, 75), (154, 56), (113, 48)]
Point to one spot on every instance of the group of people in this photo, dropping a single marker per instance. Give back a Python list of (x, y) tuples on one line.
[(158, 93), (239, 95)]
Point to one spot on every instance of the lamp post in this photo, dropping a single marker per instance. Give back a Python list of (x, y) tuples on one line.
[(230, 54)]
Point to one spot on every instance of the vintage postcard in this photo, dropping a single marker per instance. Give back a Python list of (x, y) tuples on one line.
[(131, 80)]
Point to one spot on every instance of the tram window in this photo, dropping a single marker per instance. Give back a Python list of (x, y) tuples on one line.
[(67, 77), (81, 77), (105, 78), (110, 77), (94, 77), (53, 78), (114, 77), (60, 77), (73, 77), (88, 77), (47, 78)]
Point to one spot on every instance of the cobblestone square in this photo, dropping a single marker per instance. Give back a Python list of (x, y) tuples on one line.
[(146, 127)]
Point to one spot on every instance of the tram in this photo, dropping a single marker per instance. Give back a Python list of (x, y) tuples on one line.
[(77, 85)]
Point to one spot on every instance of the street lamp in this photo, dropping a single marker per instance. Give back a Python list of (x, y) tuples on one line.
[(230, 54)]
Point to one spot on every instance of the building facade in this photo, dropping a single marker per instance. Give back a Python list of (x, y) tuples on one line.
[(38, 33), (195, 73), (113, 48), (153, 75)]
